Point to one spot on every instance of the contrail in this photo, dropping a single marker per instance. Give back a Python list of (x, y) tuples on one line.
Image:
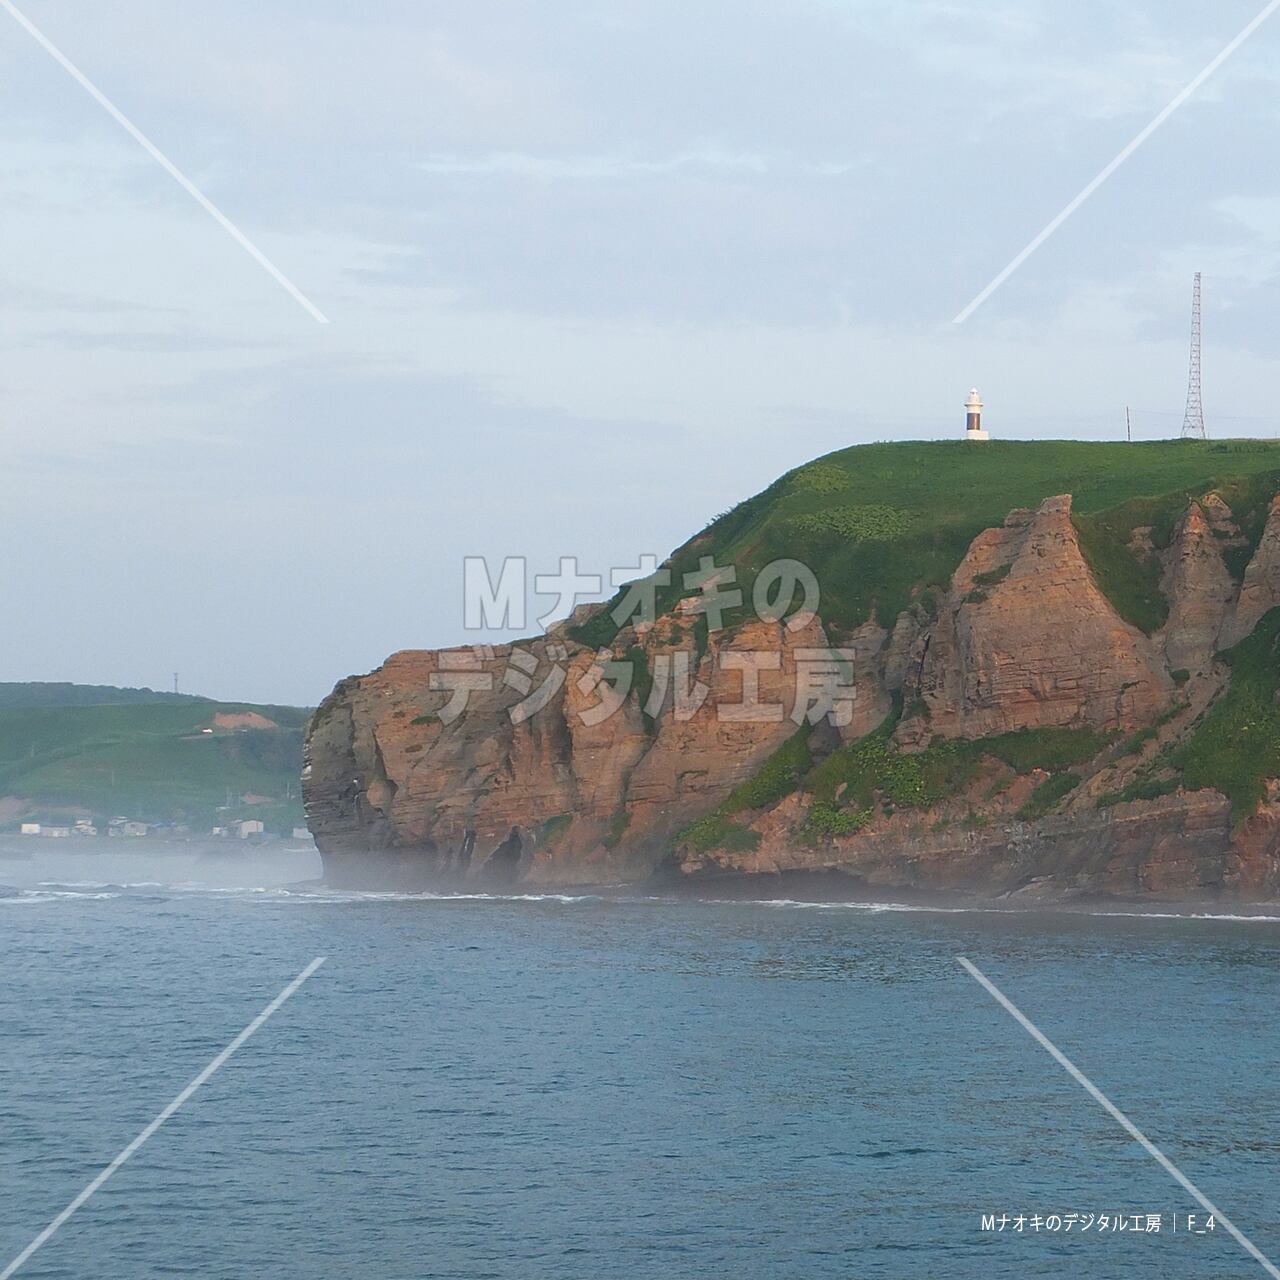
[(1116, 1114), (60, 1221), (1124, 155), (165, 163)]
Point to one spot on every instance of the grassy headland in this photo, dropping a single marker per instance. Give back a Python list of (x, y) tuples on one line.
[(882, 524)]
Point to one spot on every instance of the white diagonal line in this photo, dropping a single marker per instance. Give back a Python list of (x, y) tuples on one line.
[(164, 162), (1116, 163), (60, 1221), (1116, 1114)]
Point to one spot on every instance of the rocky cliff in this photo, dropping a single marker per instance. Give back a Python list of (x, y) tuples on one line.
[(1025, 639), (1009, 731)]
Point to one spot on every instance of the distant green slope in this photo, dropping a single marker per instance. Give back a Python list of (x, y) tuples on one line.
[(881, 523), (151, 762), (41, 693)]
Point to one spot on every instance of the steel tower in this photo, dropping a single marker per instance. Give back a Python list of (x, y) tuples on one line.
[(1193, 422)]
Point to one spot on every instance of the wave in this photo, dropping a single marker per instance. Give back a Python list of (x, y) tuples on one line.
[(875, 908), (871, 908), (78, 885), (1247, 918), (425, 895), (28, 896), (310, 892)]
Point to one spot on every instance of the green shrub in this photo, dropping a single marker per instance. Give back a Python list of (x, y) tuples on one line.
[(641, 681), (821, 477), (1237, 561), (873, 522), (827, 819), (1048, 795), (1129, 579), (701, 641), (553, 828), (621, 821), (715, 831), (1236, 748), (993, 576), (1140, 789), (1134, 744), (1249, 498), (779, 776), (874, 768), (429, 718), (1050, 749)]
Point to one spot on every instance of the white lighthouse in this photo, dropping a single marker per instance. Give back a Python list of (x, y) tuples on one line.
[(973, 423)]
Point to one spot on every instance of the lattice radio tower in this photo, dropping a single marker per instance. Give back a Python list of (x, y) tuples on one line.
[(1193, 422)]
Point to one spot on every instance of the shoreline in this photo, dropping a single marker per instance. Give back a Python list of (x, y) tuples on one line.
[(821, 889)]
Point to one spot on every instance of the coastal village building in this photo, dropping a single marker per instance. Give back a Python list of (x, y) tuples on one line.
[(126, 827)]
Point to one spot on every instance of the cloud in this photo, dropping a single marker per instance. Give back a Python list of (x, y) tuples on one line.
[(607, 167), (588, 166), (570, 252)]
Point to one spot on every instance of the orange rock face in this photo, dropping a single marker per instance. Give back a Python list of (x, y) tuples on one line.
[(1200, 590), (1026, 639), (568, 792)]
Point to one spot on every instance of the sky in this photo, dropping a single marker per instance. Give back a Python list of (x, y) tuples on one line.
[(594, 271)]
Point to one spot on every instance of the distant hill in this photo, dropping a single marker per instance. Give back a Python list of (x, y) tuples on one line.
[(39, 693), (81, 750)]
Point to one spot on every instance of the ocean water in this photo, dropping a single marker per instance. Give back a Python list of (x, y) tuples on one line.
[(582, 1086)]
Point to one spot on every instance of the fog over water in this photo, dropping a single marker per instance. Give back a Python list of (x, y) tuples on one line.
[(33, 863)]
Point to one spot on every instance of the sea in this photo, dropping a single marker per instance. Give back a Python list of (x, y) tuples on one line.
[(618, 1084)]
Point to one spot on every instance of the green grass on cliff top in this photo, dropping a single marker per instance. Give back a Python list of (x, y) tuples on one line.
[(881, 523)]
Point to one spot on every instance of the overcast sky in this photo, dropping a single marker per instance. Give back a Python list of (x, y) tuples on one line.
[(594, 270)]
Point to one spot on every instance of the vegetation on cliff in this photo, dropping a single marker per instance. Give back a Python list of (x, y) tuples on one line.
[(1112, 539), (854, 782), (1236, 748), (874, 773)]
